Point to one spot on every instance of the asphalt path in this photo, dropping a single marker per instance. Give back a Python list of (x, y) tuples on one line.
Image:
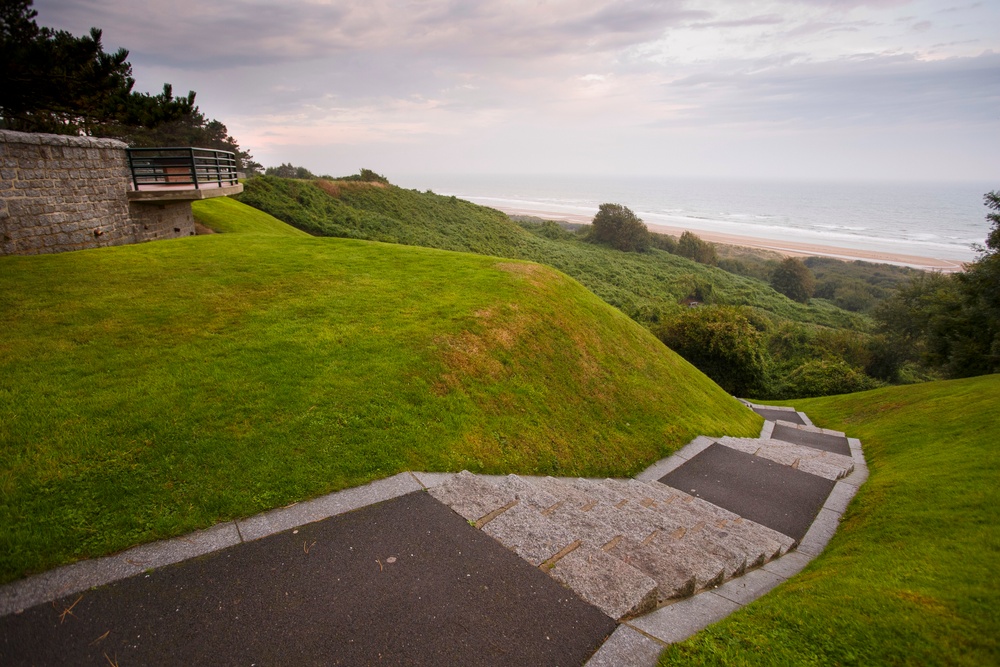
[(774, 495), (403, 582), (837, 444), (779, 415)]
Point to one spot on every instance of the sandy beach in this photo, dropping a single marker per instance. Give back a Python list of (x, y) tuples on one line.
[(790, 248)]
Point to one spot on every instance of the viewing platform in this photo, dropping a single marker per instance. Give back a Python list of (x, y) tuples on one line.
[(181, 174)]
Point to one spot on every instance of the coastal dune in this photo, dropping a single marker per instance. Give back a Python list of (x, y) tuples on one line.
[(788, 248)]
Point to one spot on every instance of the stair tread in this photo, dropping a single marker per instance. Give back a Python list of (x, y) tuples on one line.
[(533, 537), (613, 586), (807, 459), (471, 496)]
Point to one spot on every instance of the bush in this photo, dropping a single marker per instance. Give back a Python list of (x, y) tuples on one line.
[(664, 242), (617, 226), (366, 176), (693, 247), (288, 170), (794, 279), (886, 358), (821, 377), (854, 296), (546, 228), (725, 343)]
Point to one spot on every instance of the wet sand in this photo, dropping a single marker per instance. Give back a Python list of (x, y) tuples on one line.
[(789, 248)]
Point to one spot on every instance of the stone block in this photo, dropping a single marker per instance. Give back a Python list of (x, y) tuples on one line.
[(471, 497), (62, 581), (606, 582), (533, 537), (430, 479), (675, 575), (661, 468), (840, 497), (167, 552), (528, 491)]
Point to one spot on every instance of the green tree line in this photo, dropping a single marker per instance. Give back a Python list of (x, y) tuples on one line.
[(53, 81)]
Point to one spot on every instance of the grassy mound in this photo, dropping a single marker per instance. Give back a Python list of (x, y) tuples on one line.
[(226, 215), (909, 577), (642, 285), (149, 390)]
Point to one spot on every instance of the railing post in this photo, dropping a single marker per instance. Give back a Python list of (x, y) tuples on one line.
[(194, 168)]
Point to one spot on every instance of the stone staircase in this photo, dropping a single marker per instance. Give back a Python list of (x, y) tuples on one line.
[(623, 545), (629, 546)]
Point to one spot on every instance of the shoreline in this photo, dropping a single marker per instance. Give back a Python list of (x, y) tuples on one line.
[(787, 248)]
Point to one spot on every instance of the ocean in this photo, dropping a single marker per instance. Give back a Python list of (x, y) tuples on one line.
[(937, 220)]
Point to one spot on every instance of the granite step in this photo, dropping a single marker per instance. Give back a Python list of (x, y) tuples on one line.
[(684, 520), (624, 546), (807, 459), (514, 511), (693, 512), (808, 436), (610, 584), (472, 497), (532, 536), (596, 514)]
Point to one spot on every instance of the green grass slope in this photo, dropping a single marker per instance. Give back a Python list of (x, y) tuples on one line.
[(910, 577), (640, 284), (226, 215), (149, 390)]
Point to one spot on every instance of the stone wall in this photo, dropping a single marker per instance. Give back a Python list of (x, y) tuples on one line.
[(164, 220), (60, 193)]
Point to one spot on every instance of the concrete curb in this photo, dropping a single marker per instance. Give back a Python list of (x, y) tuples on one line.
[(676, 460), (639, 641)]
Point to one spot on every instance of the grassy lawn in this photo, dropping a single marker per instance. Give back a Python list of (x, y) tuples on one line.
[(149, 390), (910, 576)]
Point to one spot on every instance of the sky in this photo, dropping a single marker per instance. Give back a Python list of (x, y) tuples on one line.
[(782, 89)]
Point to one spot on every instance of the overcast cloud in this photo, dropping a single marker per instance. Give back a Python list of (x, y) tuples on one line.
[(888, 89)]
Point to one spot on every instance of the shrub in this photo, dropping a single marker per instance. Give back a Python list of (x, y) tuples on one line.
[(617, 226), (794, 279), (693, 247), (288, 170), (855, 296), (821, 377), (664, 242), (366, 176), (726, 343)]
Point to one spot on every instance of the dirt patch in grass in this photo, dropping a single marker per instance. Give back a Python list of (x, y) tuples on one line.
[(337, 188), (472, 353)]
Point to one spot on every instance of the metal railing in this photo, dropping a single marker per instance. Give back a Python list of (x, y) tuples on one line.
[(177, 167)]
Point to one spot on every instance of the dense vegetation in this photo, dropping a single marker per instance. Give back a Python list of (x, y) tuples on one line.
[(855, 286), (802, 349), (149, 390), (908, 578), (951, 323)]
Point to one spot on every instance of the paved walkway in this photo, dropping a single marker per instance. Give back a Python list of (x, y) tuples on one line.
[(388, 574)]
